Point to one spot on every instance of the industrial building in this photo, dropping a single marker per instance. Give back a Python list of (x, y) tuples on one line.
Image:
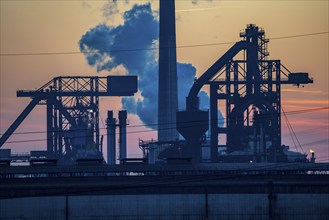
[(251, 176)]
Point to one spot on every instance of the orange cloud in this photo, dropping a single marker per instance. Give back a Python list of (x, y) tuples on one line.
[(307, 102), (305, 91)]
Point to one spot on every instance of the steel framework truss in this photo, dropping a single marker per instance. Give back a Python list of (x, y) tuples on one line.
[(250, 91), (72, 104)]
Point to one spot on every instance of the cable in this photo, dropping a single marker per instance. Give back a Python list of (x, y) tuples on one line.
[(306, 110), (293, 132), (300, 35), (131, 132), (153, 48), (196, 121), (314, 130), (289, 129), (134, 132)]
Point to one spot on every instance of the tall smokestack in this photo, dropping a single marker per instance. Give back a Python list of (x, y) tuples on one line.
[(168, 99)]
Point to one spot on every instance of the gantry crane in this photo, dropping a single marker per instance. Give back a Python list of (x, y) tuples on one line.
[(72, 104)]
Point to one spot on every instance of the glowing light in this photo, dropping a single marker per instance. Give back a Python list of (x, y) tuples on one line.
[(312, 151)]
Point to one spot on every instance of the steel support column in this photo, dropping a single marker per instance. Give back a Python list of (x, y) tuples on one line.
[(214, 122), (50, 125)]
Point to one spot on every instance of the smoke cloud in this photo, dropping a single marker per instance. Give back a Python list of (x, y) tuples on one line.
[(110, 8), (196, 1), (131, 45)]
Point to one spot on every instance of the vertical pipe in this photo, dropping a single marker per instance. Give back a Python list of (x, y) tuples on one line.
[(111, 143), (96, 110), (92, 112), (278, 107), (270, 77), (236, 78), (56, 148), (255, 151), (60, 120), (228, 105), (262, 143), (123, 134)]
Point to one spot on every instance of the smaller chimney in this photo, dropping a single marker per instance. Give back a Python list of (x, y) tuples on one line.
[(123, 135), (111, 144)]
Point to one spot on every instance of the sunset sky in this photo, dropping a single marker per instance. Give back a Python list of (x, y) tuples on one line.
[(31, 28)]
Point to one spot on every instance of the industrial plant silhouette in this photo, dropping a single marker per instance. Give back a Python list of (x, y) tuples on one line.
[(185, 172)]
